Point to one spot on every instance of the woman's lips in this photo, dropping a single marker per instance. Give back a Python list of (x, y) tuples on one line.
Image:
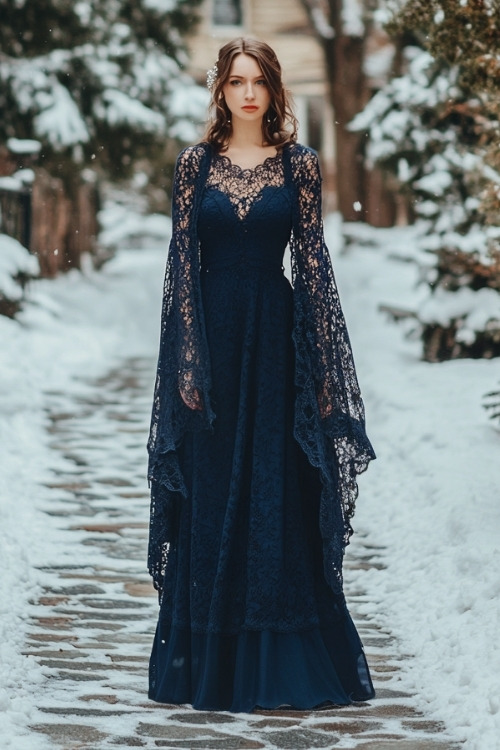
[(250, 108)]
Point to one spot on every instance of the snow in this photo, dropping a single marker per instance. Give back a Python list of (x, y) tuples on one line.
[(117, 108), (23, 146), (25, 176), (473, 308), (189, 101), (436, 183), (352, 18), (188, 104), (123, 227), (128, 77), (14, 260), (60, 122), (411, 135), (430, 500), (377, 64), (160, 6), (393, 115), (76, 323), (10, 183), (321, 23)]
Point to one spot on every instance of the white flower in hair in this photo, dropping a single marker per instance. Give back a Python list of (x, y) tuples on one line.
[(212, 77)]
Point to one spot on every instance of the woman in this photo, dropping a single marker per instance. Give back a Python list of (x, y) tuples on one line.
[(257, 430)]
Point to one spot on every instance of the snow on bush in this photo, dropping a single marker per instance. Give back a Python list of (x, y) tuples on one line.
[(426, 129), (106, 73), (352, 18), (475, 311), (17, 265), (124, 226)]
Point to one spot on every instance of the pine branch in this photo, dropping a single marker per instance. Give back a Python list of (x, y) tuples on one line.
[(491, 403)]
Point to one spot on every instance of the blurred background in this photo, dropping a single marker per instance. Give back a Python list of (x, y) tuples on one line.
[(399, 99)]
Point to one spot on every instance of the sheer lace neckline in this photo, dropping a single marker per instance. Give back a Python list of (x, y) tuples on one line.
[(245, 186), (237, 168)]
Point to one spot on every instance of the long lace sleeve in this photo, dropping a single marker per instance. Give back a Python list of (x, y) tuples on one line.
[(329, 417), (183, 362)]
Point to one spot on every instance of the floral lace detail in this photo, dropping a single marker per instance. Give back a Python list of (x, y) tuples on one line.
[(183, 363), (244, 186), (329, 414)]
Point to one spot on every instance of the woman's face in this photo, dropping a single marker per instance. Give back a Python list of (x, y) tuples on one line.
[(245, 91)]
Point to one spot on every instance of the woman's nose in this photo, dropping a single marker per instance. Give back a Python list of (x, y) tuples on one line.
[(249, 93)]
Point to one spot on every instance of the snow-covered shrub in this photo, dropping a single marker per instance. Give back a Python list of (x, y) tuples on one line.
[(432, 132), (96, 81), (102, 85), (17, 267), (125, 225)]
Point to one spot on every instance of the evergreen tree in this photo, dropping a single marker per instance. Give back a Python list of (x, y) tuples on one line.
[(437, 128), (95, 79)]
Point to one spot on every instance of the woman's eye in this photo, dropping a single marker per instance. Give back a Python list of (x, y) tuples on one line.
[(235, 82), (262, 82)]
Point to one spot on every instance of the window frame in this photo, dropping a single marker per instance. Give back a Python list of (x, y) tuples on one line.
[(227, 29)]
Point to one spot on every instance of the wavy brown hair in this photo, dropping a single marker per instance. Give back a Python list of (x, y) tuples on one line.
[(279, 125)]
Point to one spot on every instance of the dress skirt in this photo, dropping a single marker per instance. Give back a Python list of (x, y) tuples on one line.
[(246, 618)]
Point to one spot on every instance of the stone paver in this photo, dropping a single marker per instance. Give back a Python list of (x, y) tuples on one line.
[(93, 625)]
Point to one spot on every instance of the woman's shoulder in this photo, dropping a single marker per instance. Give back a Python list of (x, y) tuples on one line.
[(301, 148), (299, 152), (304, 161), (192, 156)]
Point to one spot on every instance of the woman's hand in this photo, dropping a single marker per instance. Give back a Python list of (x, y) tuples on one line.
[(191, 398), (189, 394), (324, 403)]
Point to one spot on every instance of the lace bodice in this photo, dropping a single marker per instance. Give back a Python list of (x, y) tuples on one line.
[(329, 414), (245, 186)]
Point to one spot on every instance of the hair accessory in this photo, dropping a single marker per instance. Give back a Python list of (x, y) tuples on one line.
[(212, 77)]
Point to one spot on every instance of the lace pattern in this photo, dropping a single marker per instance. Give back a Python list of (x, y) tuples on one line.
[(244, 187), (329, 411), (183, 362), (329, 420)]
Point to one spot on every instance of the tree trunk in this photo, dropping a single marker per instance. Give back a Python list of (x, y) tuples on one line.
[(348, 94), (360, 195), (382, 209), (344, 67)]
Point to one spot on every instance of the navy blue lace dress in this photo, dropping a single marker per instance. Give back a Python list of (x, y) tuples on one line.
[(247, 616)]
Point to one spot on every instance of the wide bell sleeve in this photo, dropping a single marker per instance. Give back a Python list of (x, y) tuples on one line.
[(329, 411), (183, 361)]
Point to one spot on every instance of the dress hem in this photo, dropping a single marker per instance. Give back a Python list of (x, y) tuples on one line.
[(259, 669)]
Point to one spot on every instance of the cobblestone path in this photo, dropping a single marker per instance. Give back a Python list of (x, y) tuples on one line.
[(93, 626)]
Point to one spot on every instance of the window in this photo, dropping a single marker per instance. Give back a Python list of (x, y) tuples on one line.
[(227, 13)]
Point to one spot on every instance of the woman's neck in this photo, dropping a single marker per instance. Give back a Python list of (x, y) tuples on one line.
[(245, 147), (246, 135)]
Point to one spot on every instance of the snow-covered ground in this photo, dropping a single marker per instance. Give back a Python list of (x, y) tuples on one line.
[(75, 325), (429, 500)]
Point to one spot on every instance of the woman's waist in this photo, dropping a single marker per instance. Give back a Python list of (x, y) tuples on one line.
[(241, 262)]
